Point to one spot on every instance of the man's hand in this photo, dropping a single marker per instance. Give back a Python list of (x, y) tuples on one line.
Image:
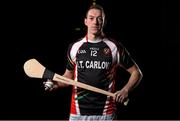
[(48, 85), (121, 96)]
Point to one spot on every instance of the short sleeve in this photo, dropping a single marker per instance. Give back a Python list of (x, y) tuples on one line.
[(70, 64), (125, 58)]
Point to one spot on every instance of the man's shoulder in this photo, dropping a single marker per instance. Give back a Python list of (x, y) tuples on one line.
[(114, 41), (80, 40), (77, 43)]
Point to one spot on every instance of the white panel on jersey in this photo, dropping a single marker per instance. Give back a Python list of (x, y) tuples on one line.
[(75, 49)]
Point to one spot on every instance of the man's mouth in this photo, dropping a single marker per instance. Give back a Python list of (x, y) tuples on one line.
[(96, 28)]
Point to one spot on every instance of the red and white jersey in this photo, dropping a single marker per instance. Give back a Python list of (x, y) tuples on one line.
[(95, 63)]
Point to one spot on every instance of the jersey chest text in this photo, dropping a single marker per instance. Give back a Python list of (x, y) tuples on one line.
[(92, 56)]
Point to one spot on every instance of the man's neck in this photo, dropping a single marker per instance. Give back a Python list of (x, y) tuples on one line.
[(94, 37)]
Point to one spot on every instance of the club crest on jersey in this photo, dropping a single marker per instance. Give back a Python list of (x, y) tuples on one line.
[(106, 51)]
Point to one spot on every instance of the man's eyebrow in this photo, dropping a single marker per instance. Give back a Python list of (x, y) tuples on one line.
[(91, 16)]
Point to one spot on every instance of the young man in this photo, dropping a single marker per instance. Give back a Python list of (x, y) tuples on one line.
[(93, 60)]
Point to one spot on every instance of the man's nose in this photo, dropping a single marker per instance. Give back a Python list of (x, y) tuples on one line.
[(95, 21)]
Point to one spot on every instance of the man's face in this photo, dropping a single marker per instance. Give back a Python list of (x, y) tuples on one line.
[(94, 21)]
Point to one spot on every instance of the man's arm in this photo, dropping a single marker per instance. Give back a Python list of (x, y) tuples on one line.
[(135, 77), (68, 74)]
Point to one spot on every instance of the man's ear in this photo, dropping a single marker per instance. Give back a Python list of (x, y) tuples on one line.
[(85, 21), (105, 22)]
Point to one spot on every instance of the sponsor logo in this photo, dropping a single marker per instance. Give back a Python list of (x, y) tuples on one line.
[(93, 64)]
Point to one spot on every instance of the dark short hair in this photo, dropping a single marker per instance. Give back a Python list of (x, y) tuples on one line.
[(96, 6)]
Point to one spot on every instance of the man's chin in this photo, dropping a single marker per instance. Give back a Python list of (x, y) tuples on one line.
[(96, 32)]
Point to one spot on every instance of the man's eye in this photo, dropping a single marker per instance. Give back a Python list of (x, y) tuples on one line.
[(100, 19)]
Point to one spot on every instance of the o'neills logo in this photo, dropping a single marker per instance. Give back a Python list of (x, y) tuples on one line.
[(107, 51)]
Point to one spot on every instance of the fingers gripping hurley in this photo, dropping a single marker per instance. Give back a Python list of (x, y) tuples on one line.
[(34, 69)]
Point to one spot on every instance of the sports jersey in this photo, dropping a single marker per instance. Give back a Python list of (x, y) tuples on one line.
[(95, 63)]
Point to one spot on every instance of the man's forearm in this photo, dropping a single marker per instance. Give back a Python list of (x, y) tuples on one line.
[(67, 74), (133, 81)]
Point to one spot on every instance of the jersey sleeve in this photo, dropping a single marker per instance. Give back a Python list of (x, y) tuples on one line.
[(125, 58), (70, 64)]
